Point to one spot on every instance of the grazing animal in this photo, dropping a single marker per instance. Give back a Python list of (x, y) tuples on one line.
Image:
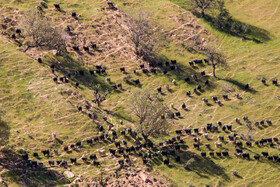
[(177, 147), (136, 81), (78, 144), (206, 82), (221, 138), (205, 100), (18, 31), (196, 145), (229, 127), (218, 144), (249, 144), (205, 135), (51, 163), (93, 46), (46, 152), (231, 138), (191, 63), (203, 73), (247, 87), (203, 154), (55, 79), (246, 155), (91, 72), (57, 6), (268, 122), (92, 157), (86, 48), (214, 98), (225, 97), (178, 131), (188, 93), (256, 157), (265, 154), (25, 157), (145, 71), (225, 153), (89, 141), (166, 162), (117, 144), (274, 82), (173, 61), (270, 158), (188, 131), (73, 14), (195, 130), (218, 153), (211, 154), (76, 48), (73, 160)]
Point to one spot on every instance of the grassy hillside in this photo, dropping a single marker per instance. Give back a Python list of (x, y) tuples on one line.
[(35, 106)]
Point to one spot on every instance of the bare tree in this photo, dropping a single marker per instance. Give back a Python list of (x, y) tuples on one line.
[(99, 97), (143, 36), (42, 32), (149, 111), (202, 5), (216, 58)]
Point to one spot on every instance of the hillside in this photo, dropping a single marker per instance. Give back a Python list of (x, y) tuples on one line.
[(34, 106)]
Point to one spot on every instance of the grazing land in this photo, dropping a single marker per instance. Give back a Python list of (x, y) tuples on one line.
[(33, 105)]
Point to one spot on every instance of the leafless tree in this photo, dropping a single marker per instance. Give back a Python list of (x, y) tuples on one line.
[(202, 5), (42, 32), (143, 35), (149, 111), (98, 95), (216, 58)]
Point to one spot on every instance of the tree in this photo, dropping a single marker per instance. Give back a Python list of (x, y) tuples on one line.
[(202, 5), (149, 111), (42, 32), (99, 97), (143, 36), (216, 58)]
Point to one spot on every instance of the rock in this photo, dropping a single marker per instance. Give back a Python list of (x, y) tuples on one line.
[(55, 52), (69, 174)]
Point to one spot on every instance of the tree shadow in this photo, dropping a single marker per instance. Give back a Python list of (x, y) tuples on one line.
[(18, 172), (67, 65), (240, 85), (204, 166), (237, 28), (4, 133)]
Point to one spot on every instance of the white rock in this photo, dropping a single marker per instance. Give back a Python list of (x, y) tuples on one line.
[(69, 174)]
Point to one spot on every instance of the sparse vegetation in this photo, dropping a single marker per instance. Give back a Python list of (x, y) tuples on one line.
[(216, 58), (149, 111), (42, 32), (203, 5), (39, 102), (143, 35)]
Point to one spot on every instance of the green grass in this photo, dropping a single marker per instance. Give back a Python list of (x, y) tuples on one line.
[(35, 105)]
